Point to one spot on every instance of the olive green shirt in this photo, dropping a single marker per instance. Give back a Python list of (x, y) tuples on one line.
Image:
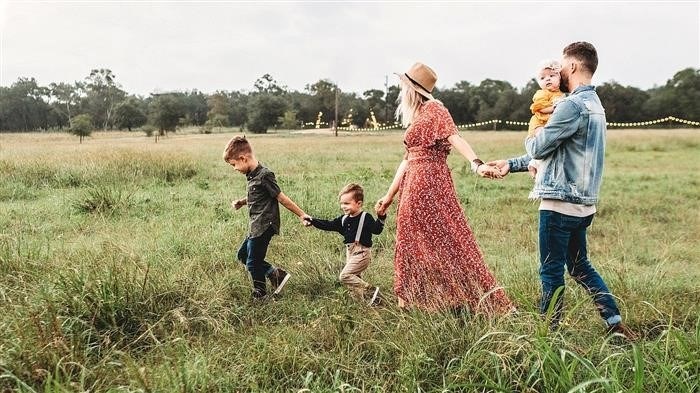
[(263, 208)]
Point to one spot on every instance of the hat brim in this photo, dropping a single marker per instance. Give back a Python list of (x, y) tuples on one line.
[(419, 89)]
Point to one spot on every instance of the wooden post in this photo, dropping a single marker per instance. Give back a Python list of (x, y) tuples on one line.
[(335, 123)]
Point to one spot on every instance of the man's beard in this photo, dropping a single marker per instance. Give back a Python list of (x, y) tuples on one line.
[(564, 83)]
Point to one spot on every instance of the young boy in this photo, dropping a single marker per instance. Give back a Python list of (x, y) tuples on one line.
[(262, 199), (357, 228)]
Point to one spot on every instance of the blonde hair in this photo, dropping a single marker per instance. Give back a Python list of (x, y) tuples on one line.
[(409, 101), (548, 64), (236, 147), (355, 189)]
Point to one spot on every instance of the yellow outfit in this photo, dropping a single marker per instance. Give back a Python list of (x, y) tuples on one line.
[(542, 99)]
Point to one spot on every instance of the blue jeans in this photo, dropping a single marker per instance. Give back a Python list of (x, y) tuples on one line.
[(252, 254), (563, 243)]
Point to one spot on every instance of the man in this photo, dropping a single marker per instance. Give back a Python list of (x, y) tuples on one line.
[(571, 146)]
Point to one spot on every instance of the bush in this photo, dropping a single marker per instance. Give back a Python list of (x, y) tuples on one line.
[(102, 200)]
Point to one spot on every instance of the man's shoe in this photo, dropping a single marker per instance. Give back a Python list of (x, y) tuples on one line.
[(278, 279), (623, 330), (375, 299)]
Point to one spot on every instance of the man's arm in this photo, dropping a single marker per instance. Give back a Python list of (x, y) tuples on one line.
[(518, 164), (561, 126)]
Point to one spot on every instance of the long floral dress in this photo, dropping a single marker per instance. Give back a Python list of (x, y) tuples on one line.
[(438, 264)]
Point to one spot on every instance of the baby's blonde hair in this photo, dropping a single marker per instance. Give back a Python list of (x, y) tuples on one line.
[(549, 64)]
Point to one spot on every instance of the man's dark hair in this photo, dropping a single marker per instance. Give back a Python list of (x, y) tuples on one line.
[(585, 53)]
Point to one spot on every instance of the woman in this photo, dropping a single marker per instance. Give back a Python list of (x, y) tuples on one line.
[(437, 263)]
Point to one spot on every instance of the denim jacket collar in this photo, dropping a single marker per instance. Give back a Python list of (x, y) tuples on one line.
[(582, 88)]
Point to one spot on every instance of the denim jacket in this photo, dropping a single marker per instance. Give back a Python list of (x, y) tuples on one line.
[(571, 147)]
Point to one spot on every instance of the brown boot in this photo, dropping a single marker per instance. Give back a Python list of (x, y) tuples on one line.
[(623, 330)]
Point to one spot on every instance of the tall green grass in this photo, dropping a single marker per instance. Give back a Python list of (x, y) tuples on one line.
[(119, 274)]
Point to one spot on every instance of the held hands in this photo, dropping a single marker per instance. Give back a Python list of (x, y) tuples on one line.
[(501, 166), (305, 220), (489, 171), (383, 205), (238, 204)]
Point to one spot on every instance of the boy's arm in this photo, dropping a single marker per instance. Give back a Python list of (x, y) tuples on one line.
[(290, 205), (335, 225), (237, 204), (378, 224)]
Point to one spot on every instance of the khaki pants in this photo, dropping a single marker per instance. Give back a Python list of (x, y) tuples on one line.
[(357, 260)]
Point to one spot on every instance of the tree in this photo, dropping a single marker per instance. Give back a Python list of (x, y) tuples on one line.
[(165, 111), (323, 93), (268, 85), (238, 108), (679, 97), (65, 98), (264, 111), (218, 115), (130, 113), (488, 93), (303, 105), (622, 103), (81, 126), (461, 101), (374, 100), (23, 106), (103, 95), (289, 121), (196, 107), (392, 97)]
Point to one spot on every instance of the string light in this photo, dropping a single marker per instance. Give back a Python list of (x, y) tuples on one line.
[(523, 123)]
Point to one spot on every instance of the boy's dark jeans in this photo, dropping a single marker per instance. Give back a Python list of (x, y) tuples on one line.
[(252, 255), (563, 243)]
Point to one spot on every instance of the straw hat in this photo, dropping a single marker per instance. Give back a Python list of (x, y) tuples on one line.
[(422, 78)]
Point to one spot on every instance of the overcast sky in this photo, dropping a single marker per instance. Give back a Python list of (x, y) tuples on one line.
[(217, 45)]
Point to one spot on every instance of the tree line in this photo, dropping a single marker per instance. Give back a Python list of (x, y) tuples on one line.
[(99, 102)]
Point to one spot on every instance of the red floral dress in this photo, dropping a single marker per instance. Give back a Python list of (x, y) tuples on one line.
[(438, 264)]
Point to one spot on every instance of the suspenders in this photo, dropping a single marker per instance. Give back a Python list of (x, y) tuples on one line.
[(359, 226)]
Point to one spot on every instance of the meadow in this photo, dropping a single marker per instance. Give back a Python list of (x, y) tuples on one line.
[(118, 272)]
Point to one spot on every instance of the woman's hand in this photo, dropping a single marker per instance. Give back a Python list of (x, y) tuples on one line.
[(489, 171), (383, 204)]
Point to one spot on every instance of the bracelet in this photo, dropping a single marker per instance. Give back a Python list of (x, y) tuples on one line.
[(476, 163)]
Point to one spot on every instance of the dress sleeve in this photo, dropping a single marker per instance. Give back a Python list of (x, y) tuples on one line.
[(442, 126)]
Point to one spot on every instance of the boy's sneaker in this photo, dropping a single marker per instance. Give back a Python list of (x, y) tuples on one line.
[(621, 329), (278, 279), (375, 299), (258, 295)]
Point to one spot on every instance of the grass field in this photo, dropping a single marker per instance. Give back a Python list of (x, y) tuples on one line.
[(118, 272)]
